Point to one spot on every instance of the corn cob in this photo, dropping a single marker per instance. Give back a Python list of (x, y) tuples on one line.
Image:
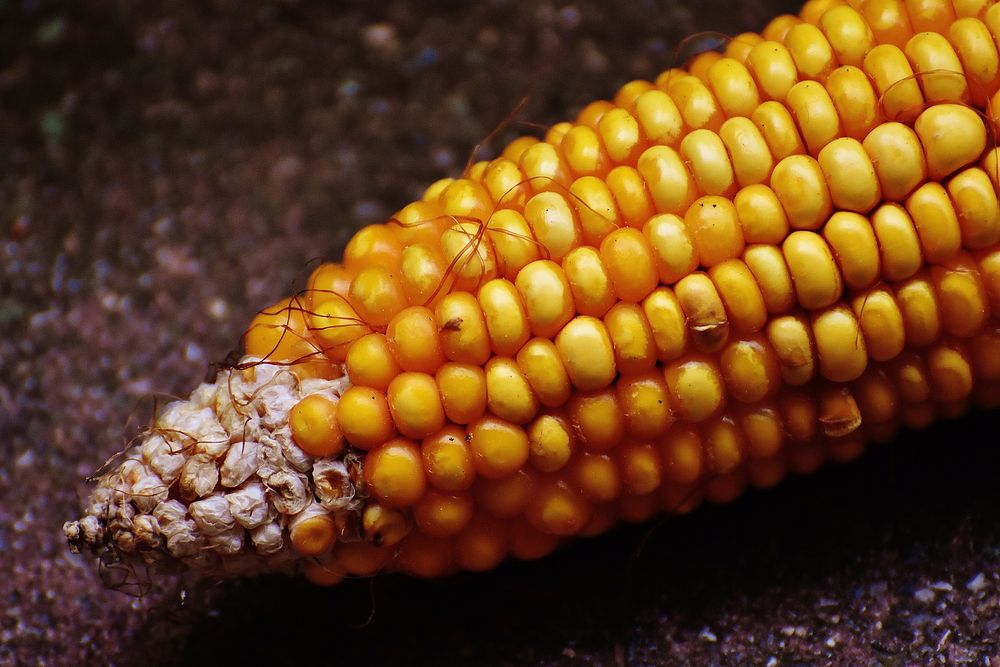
[(720, 277)]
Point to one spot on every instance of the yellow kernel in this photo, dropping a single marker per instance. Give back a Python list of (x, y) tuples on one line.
[(313, 422), (751, 158), (750, 368), (550, 442), (699, 65), (739, 47), (447, 460), (482, 545), (499, 448), (374, 245), (697, 390), (672, 246), (328, 281), (707, 158), (412, 336), (938, 68), (817, 281), (888, 21), (962, 297), (526, 543), (415, 404), (930, 15), (554, 224), (773, 68), (850, 175), (595, 204), (976, 205), (740, 294), (852, 241), (704, 311), (733, 87), (792, 340), (629, 262), (898, 242), (280, 333), (640, 467), (667, 322), (985, 351), (921, 311), (849, 34), (506, 319), (778, 27), (801, 187), (585, 348), (659, 118), (584, 152), (881, 323), (631, 338), (425, 557), (936, 222), (898, 159), (715, 228), (589, 281), (422, 271), (513, 243), (542, 366), (544, 168), (322, 572), (596, 477), (469, 255), (591, 114), (989, 271), (697, 105), (440, 514), (898, 90), (395, 473), (952, 135), (682, 455), (877, 397), (814, 113), (627, 94), (463, 329), (377, 295), (334, 323), (723, 446), (433, 192), (854, 98), (645, 404), (419, 222), (506, 184), (466, 200), (621, 135), (762, 429), (547, 297), (507, 496), (760, 214), (812, 53), (509, 395), (557, 509), (770, 271), (364, 418), (840, 345), (951, 374), (597, 419), (978, 52), (667, 179), (779, 130)]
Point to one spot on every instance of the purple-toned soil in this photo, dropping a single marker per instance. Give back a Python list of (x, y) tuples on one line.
[(167, 168)]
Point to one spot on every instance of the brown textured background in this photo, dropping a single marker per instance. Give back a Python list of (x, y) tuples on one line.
[(167, 168)]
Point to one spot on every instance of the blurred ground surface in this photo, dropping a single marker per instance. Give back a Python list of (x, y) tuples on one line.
[(167, 168)]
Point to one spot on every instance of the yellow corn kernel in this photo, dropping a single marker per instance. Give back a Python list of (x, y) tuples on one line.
[(792, 340), (813, 10), (364, 418), (482, 545), (770, 271), (667, 322), (591, 114), (313, 422), (699, 64), (733, 86), (697, 105), (463, 391), (850, 175), (596, 477), (812, 53), (840, 345), (423, 273), (506, 184), (961, 296), (499, 448), (848, 33), (898, 159), (509, 395), (513, 243), (697, 390), (622, 137), (814, 272), (395, 474), (639, 466), (937, 66), (989, 270), (374, 245), (921, 310), (853, 244), (715, 228), (761, 215), (706, 156), (412, 336), (631, 338), (723, 445), (881, 323), (312, 534), (740, 295), (628, 93), (384, 526), (281, 332), (704, 311), (507, 496), (978, 52), (557, 510), (596, 207), (773, 68), (589, 281), (469, 255), (751, 158), (814, 113), (645, 404), (672, 246), (667, 179), (888, 20), (585, 348), (855, 100), (762, 429), (629, 262), (554, 223), (584, 151), (977, 208), (415, 404), (597, 419), (750, 368), (550, 442), (328, 281), (543, 368), (440, 514), (801, 187), (739, 47), (778, 27), (951, 374), (334, 323), (506, 319), (898, 241), (658, 117), (936, 222), (526, 543), (544, 168), (463, 328), (779, 130), (376, 295), (901, 98), (547, 298), (876, 396)]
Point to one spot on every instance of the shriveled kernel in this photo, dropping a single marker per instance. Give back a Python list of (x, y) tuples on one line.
[(850, 175), (585, 348), (313, 422), (589, 281), (440, 514), (554, 223), (840, 345), (364, 418), (513, 243), (751, 158), (936, 222), (899, 244), (801, 187), (715, 228), (415, 404), (976, 205), (667, 179), (761, 215), (597, 418), (462, 328), (667, 322), (854, 98), (509, 395), (672, 246), (953, 136), (792, 340), (595, 205), (697, 390), (814, 114), (779, 130), (898, 158), (543, 368), (750, 369), (628, 259), (853, 244), (506, 318), (770, 271), (707, 158), (740, 295), (817, 280), (447, 460), (499, 448), (377, 295), (550, 441), (773, 68), (704, 312), (881, 323), (395, 473)]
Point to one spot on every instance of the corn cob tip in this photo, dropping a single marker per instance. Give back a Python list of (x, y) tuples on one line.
[(218, 484)]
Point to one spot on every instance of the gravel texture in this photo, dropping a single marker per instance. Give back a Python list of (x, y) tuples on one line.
[(167, 168)]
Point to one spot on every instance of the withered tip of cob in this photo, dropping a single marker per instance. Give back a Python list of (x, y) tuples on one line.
[(219, 485)]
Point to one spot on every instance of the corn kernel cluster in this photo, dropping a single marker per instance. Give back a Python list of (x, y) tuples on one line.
[(731, 273)]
